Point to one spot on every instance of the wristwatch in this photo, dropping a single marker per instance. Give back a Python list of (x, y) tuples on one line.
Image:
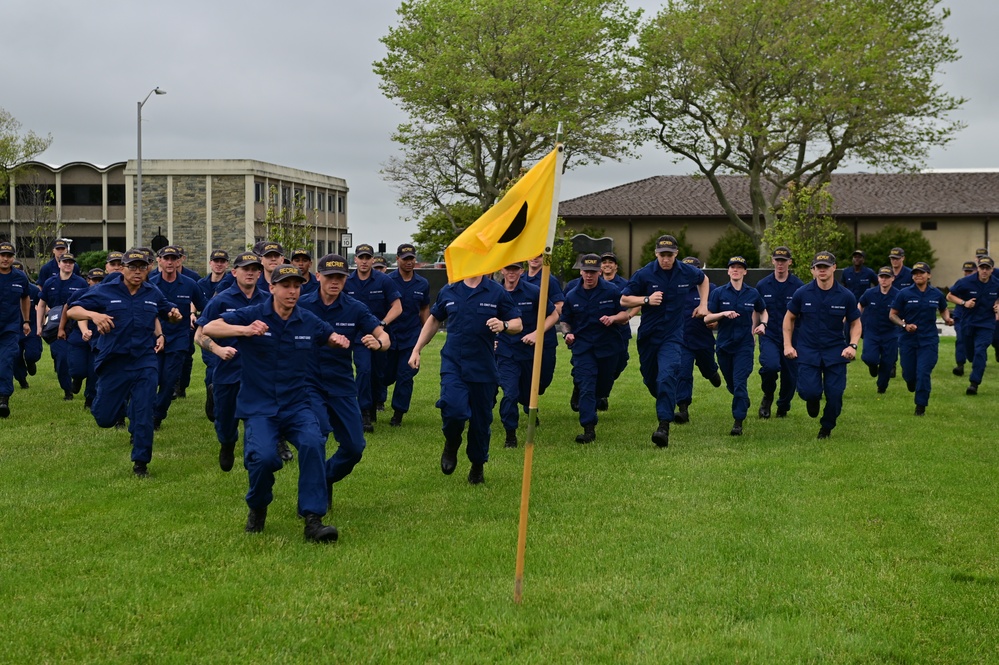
[(853, 346), (506, 325), (646, 300)]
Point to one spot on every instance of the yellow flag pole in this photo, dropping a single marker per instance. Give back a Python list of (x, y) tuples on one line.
[(532, 414)]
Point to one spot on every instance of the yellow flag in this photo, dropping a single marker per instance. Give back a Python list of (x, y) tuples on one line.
[(513, 230)]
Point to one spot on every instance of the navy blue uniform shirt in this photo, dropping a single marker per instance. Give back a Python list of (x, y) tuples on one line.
[(228, 371), (350, 318), (858, 281), (134, 317), (378, 292), (664, 321), (415, 295), (696, 334), (737, 332), (57, 291), (875, 316), (920, 308), (468, 347), (185, 292), (13, 287), (903, 279), (525, 297), (555, 296), (776, 297), (582, 311), (985, 293), (819, 322), (277, 364)]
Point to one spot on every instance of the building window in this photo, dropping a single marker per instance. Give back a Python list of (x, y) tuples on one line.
[(320, 199), (927, 226), (258, 192), (286, 196), (330, 199), (40, 195), (116, 195), (310, 200), (339, 204)]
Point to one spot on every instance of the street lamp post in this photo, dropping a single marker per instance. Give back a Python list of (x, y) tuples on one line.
[(138, 168)]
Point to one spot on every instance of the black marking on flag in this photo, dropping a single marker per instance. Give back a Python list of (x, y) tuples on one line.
[(516, 226)]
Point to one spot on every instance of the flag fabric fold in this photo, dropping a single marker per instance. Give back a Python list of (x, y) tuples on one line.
[(514, 229)]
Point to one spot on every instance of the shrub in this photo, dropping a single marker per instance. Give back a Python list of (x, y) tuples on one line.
[(733, 243), (90, 260), (877, 245)]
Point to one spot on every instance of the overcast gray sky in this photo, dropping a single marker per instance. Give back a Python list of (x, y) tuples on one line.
[(292, 85)]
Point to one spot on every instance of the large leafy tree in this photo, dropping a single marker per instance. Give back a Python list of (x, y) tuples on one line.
[(785, 91), (485, 84), (16, 148)]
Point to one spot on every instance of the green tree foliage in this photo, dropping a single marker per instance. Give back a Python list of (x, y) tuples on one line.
[(878, 245), (485, 84), (439, 227), (804, 224), (17, 148), (732, 243), (649, 247), (288, 223), (785, 91)]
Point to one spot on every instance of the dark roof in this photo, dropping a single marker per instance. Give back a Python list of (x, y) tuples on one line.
[(859, 194)]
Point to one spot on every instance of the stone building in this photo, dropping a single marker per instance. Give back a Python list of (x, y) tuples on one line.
[(957, 211), (198, 204)]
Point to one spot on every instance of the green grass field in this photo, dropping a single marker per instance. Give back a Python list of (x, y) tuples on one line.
[(876, 546)]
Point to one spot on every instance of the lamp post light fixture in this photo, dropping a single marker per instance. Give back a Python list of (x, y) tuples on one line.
[(138, 168)]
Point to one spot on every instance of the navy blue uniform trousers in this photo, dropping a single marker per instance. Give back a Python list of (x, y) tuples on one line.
[(660, 364), (595, 378), (398, 372), (706, 365), (881, 352), (467, 402), (119, 383), (918, 357), (736, 368), (976, 346), (774, 365), (298, 424), (814, 380)]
